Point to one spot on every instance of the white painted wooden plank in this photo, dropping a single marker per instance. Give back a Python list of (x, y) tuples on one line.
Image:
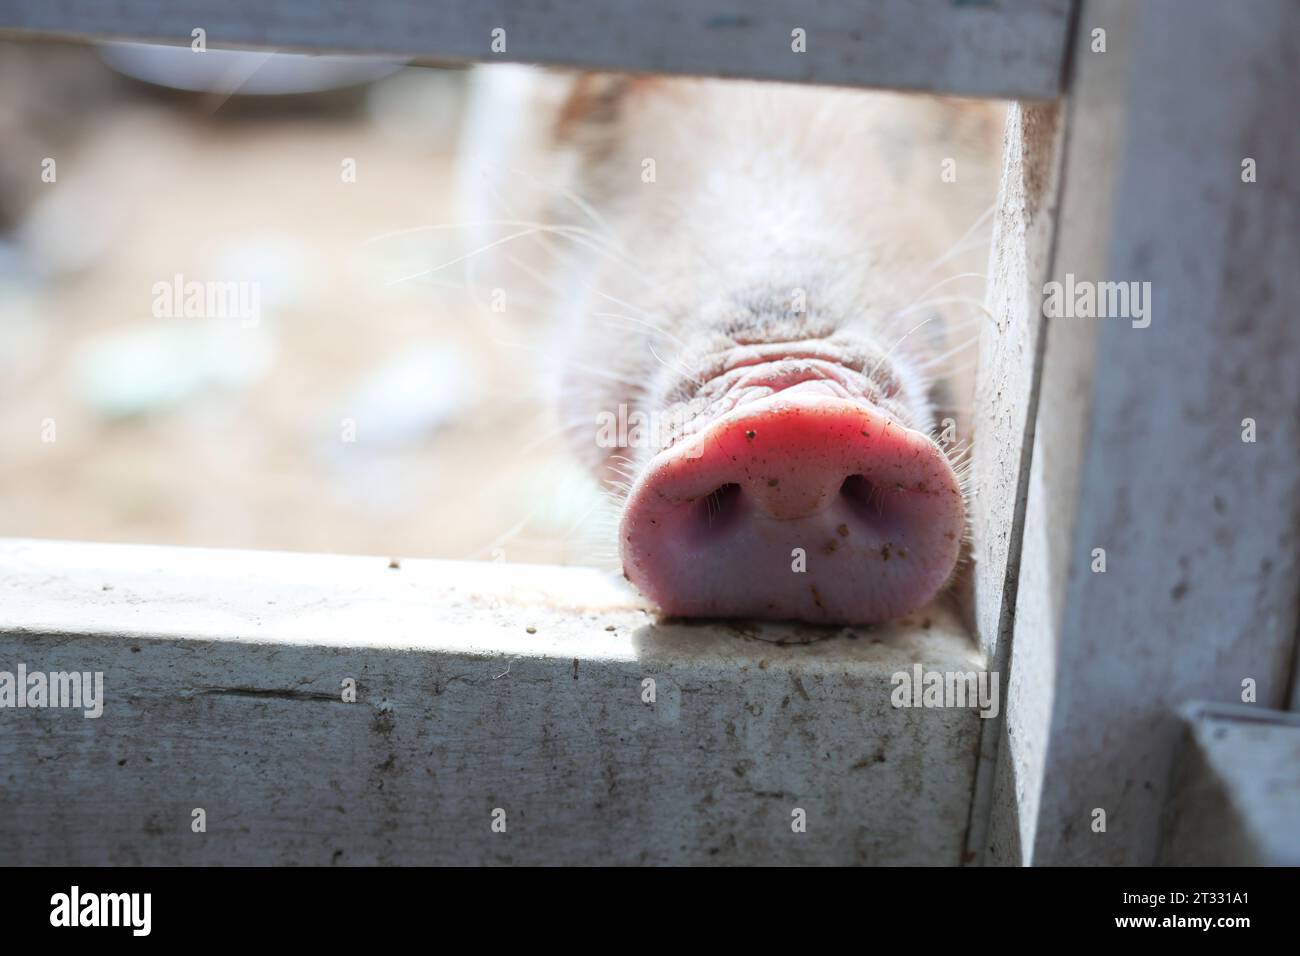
[(1138, 447), (1235, 799), (1019, 264), (222, 674), (1006, 397), (1008, 49)]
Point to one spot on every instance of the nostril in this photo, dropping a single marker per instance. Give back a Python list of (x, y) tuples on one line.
[(858, 490), (716, 511), (870, 503)]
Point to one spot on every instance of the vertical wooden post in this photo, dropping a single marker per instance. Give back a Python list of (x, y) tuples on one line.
[(1179, 171), (1007, 397)]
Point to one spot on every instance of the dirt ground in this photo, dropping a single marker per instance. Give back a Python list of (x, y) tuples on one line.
[(97, 442)]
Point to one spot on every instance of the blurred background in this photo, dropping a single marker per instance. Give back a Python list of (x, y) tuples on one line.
[(357, 406)]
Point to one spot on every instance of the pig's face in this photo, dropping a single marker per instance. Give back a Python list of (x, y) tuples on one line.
[(750, 346)]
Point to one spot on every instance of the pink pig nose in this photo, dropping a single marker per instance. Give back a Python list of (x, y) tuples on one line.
[(809, 508)]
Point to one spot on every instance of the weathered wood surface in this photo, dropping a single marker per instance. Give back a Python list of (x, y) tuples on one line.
[(1138, 446), (1006, 398), (1235, 799), (222, 673), (1009, 357), (1006, 49)]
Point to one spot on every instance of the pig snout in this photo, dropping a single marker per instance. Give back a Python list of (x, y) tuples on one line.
[(804, 503), (762, 335)]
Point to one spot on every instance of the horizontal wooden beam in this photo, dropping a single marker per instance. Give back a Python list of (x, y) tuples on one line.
[(478, 688), (1014, 48)]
